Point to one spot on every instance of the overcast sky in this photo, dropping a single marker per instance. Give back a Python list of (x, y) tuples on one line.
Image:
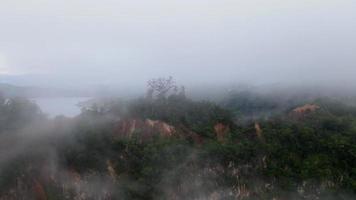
[(99, 42)]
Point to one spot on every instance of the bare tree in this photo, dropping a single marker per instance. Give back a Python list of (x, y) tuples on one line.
[(161, 87)]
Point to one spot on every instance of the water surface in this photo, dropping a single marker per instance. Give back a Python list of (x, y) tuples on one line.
[(66, 106)]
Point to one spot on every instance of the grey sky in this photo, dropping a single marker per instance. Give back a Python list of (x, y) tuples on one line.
[(125, 41)]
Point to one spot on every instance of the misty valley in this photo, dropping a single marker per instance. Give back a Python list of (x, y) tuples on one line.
[(55, 106), (177, 100), (164, 144)]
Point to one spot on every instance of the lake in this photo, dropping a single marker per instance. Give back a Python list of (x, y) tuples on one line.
[(66, 106)]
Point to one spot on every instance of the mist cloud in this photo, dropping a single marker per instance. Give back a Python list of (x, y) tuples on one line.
[(122, 42)]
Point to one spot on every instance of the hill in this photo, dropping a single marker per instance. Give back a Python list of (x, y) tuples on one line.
[(9, 90), (171, 147)]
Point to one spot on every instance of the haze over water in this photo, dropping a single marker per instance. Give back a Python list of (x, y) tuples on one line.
[(65, 106)]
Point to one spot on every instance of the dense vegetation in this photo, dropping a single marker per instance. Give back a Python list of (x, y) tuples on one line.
[(287, 155)]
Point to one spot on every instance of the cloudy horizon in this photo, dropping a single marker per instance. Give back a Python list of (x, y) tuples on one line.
[(123, 42)]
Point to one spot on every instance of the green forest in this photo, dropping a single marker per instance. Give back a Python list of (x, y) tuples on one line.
[(168, 146)]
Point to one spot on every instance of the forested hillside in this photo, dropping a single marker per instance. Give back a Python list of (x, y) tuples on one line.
[(166, 146)]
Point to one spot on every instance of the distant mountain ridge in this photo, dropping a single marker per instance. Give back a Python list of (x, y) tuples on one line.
[(9, 90)]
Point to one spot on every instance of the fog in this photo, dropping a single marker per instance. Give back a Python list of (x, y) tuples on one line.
[(86, 43), (179, 99)]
